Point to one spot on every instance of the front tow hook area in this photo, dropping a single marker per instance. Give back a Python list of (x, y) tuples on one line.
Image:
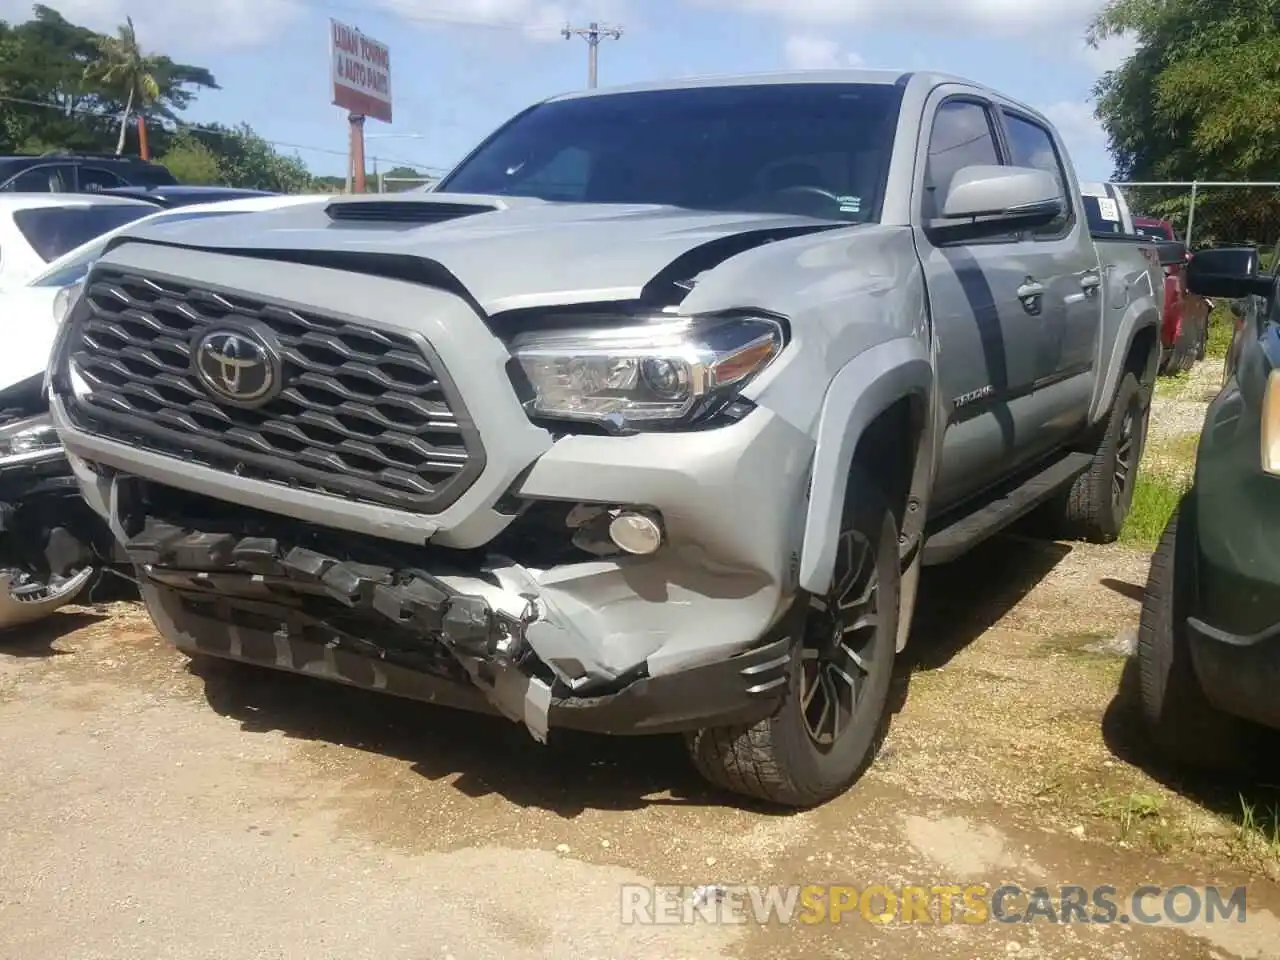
[(25, 601), (488, 643)]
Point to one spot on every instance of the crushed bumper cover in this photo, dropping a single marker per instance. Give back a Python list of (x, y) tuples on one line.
[(21, 604), (457, 641)]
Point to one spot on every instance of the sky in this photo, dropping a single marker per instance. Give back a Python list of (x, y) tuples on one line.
[(461, 67)]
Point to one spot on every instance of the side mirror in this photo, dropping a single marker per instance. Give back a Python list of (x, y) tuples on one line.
[(991, 200), (1229, 272)]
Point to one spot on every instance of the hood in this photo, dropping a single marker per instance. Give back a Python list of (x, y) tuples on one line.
[(29, 310), (507, 252)]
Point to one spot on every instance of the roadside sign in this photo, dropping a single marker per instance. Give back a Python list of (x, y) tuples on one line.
[(361, 68)]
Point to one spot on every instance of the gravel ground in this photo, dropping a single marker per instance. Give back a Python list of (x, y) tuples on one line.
[(157, 808)]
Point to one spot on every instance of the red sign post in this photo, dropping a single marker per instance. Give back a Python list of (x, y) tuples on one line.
[(361, 76)]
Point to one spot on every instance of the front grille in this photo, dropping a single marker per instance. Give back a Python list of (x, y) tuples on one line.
[(363, 414)]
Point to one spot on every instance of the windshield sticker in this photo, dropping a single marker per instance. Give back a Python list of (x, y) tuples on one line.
[(1109, 209), (850, 204)]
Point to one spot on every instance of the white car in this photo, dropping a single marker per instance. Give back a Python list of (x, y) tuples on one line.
[(37, 306), (37, 228)]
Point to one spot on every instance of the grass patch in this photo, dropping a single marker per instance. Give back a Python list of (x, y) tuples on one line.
[(1154, 499), (1221, 329), (1258, 831), (1170, 386)]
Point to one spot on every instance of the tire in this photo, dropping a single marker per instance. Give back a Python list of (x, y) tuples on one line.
[(1185, 727), (780, 760), (1093, 510)]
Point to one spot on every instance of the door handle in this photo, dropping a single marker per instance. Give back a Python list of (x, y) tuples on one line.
[(1090, 283), (1029, 289)]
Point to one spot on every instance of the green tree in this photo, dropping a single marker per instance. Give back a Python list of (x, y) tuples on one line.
[(58, 104), (190, 161), (1198, 100), (123, 67), (247, 160)]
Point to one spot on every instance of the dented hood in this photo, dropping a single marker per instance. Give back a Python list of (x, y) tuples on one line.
[(508, 252)]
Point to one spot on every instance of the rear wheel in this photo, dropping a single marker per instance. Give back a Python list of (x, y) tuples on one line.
[(1182, 722), (833, 719), (1098, 502)]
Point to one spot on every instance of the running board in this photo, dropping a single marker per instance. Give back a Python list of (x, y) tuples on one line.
[(971, 529)]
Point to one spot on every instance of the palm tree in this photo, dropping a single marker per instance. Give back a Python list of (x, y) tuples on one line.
[(122, 68)]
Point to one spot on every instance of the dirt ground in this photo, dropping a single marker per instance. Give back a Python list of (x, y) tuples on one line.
[(156, 808)]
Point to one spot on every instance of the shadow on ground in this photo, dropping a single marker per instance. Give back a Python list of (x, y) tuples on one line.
[(572, 773), (1125, 735), (961, 601), (577, 771), (37, 639)]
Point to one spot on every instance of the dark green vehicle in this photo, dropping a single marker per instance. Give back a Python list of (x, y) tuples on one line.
[(1209, 640)]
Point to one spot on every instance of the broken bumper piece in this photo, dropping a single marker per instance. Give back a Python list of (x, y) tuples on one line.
[(437, 638), (28, 602)]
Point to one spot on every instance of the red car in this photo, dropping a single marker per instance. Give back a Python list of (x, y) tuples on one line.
[(1185, 329)]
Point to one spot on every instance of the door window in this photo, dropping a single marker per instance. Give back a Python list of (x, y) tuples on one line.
[(47, 178), (93, 179), (962, 136), (1031, 145)]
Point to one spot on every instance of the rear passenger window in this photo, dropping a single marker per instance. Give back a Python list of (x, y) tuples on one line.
[(1031, 145), (961, 137)]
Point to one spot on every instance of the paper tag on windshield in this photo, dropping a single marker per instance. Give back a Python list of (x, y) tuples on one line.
[(1108, 209)]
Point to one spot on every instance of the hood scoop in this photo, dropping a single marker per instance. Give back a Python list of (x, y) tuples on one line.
[(413, 211)]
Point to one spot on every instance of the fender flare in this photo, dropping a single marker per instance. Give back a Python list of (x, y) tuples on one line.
[(864, 388), (1130, 326)]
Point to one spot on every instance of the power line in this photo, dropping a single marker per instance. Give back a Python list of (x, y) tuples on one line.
[(592, 33), (207, 131), (427, 16)]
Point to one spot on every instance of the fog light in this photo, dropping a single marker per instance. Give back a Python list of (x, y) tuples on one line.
[(635, 532)]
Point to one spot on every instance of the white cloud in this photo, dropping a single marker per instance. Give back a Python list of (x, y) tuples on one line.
[(181, 27), (1077, 124), (1110, 54), (535, 19), (809, 52), (1000, 16)]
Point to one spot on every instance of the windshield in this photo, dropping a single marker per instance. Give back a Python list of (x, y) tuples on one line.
[(53, 231), (74, 269), (803, 148), (1153, 231)]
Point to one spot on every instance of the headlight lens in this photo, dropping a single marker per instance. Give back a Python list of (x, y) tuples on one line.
[(667, 370), (33, 435), (64, 300), (1271, 424)]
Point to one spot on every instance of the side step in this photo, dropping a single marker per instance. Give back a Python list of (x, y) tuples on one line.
[(965, 532)]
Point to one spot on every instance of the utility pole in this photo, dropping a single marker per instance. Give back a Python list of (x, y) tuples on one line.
[(592, 33)]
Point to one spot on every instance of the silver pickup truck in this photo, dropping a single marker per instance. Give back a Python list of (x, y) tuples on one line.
[(643, 421)]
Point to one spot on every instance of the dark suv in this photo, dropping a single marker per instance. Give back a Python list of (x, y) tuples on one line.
[(1209, 640), (78, 173)]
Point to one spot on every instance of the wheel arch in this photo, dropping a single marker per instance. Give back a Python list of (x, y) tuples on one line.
[(870, 402), (1135, 349)]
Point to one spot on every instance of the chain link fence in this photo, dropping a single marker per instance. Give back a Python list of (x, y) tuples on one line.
[(1212, 213), (400, 184)]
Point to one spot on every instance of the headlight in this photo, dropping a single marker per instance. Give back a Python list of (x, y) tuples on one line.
[(25, 437), (667, 370), (66, 299), (1271, 424)]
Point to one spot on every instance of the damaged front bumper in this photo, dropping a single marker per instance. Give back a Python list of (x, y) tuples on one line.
[(455, 640)]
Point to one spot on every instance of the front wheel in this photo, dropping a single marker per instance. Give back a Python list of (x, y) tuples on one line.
[(1186, 728), (832, 722)]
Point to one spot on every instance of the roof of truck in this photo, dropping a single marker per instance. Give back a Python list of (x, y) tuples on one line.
[(925, 78), (899, 77)]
